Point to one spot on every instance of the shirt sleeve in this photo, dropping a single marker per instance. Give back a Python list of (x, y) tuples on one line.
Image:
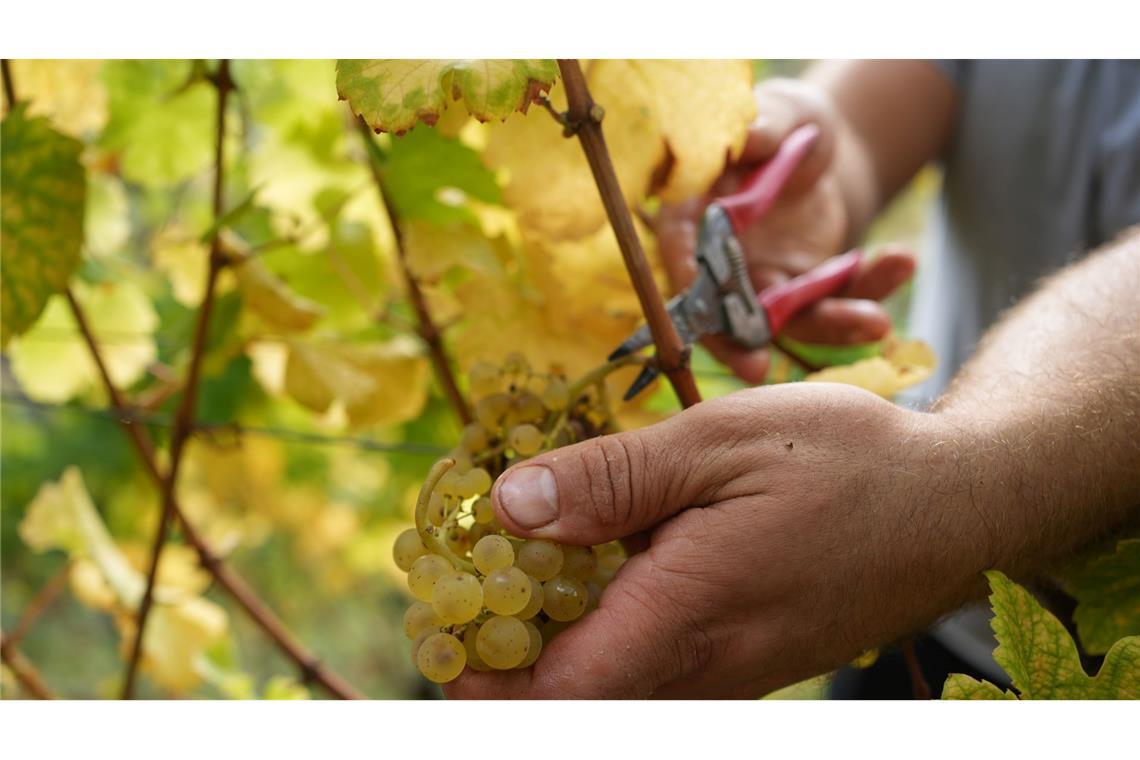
[(957, 71)]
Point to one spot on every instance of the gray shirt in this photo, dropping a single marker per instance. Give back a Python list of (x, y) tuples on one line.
[(1044, 165)]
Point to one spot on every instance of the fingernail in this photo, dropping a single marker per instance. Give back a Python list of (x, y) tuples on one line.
[(529, 496)]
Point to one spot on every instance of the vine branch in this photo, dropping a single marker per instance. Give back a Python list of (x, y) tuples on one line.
[(428, 331), (584, 118), (184, 416), (24, 671), (9, 87), (39, 604)]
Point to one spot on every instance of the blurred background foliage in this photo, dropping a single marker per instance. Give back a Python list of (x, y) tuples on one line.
[(300, 491)]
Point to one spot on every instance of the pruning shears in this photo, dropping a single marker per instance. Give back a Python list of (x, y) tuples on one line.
[(721, 300)]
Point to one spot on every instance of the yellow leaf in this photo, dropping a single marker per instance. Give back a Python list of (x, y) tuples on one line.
[(106, 224), (90, 586), (69, 92), (51, 360), (547, 178), (177, 636), (62, 516), (184, 259), (268, 296), (383, 384), (433, 250), (903, 364), (701, 109)]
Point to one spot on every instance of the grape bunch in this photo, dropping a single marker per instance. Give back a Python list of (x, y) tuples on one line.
[(486, 599)]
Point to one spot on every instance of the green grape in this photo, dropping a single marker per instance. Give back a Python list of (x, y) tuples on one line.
[(474, 483), (474, 661), (425, 571), (484, 379), (474, 438), (526, 439), (420, 617), (457, 539), (540, 558), (407, 548), (449, 484), (535, 647), (556, 395), (506, 591), (441, 658), (579, 562), (525, 407), (515, 364), (437, 509), (457, 597), (483, 511), (502, 642), (492, 553), (490, 410), (462, 459), (418, 642), (534, 601), (477, 531), (564, 599)]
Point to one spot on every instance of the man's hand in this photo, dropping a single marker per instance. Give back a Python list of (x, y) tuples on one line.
[(809, 223), (792, 527)]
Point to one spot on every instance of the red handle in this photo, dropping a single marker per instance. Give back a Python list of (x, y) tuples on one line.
[(784, 301), (763, 185)]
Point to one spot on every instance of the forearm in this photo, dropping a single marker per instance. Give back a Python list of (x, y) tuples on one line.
[(894, 117), (1050, 408)]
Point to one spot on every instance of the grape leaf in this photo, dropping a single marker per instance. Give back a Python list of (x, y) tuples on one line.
[(1107, 590), (68, 92), (273, 301), (393, 94), (1041, 658), (429, 176), (685, 117), (379, 384), (42, 194), (961, 686), (433, 250), (52, 361), (903, 364)]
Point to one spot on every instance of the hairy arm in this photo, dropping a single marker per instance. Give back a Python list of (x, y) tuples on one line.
[(1051, 406)]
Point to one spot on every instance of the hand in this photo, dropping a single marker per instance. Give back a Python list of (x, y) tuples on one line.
[(808, 224), (793, 527)]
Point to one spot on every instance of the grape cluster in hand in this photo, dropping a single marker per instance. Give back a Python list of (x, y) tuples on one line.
[(485, 599)]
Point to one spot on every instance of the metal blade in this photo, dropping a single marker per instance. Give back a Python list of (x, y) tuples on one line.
[(647, 375)]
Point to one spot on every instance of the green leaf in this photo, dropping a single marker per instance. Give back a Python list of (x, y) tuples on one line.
[(1041, 658), (393, 94), (43, 192), (821, 355), (959, 686), (1107, 590), (424, 169)]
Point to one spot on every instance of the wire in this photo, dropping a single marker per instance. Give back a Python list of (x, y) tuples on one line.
[(297, 436)]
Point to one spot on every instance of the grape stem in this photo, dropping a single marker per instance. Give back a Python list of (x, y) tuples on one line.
[(433, 544), (594, 377)]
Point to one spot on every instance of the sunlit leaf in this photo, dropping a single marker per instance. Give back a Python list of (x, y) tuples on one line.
[(959, 686), (42, 196), (184, 260), (393, 94), (52, 362), (107, 223), (433, 251), (284, 687), (1107, 590), (177, 636), (272, 300), (378, 384), (69, 92)]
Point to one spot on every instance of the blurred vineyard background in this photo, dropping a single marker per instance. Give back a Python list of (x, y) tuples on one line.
[(298, 489)]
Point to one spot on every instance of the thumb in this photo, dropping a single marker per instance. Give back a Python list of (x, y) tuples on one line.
[(609, 487)]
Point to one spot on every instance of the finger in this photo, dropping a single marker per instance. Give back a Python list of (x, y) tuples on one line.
[(840, 321), (882, 275), (675, 228), (782, 106), (609, 487), (637, 639), (750, 366)]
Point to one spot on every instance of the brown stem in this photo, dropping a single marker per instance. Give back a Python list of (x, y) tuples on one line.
[(584, 118), (39, 604), (184, 416), (428, 331), (918, 685), (25, 672), (9, 87), (232, 583)]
